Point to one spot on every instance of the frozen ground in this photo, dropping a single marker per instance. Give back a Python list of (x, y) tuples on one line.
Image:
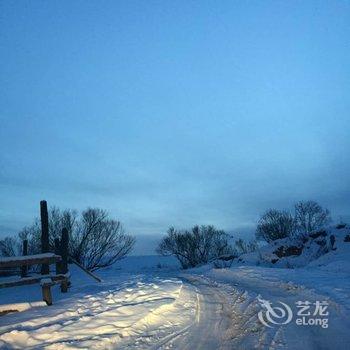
[(147, 303)]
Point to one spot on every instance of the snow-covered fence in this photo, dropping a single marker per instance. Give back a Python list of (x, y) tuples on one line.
[(46, 280), (59, 258)]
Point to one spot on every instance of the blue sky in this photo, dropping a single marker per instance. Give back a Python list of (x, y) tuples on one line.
[(174, 112)]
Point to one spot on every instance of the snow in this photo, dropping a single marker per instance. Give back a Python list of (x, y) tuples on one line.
[(126, 308), (45, 281), (21, 306), (311, 277), (317, 249), (149, 303), (101, 319)]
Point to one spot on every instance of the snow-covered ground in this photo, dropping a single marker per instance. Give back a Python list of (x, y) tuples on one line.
[(133, 306), (148, 303)]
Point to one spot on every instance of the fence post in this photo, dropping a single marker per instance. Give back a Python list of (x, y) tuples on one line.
[(45, 244), (64, 255), (24, 268), (58, 252)]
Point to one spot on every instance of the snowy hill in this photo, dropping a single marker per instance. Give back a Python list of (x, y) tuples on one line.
[(325, 247)]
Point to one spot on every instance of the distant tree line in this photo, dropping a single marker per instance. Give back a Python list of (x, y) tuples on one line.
[(97, 241)]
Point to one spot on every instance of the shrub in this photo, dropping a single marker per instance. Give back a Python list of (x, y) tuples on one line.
[(242, 247), (199, 245), (9, 246), (275, 224), (310, 216)]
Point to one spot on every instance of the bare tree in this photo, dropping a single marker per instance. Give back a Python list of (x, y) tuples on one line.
[(57, 220), (96, 241), (32, 234), (200, 245), (9, 246), (275, 224), (99, 241), (310, 216)]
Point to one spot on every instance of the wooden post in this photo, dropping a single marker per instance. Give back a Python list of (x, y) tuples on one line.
[(45, 245), (64, 255), (64, 285), (64, 250), (47, 296), (24, 268), (58, 252)]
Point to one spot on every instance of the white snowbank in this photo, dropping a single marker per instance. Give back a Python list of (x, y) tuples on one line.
[(128, 308)]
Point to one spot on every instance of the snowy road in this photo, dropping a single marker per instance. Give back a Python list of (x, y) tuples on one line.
[(168, 311), (177, 312), (211, 322)]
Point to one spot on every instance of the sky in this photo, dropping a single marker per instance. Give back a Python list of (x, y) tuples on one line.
[(174, 113)]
